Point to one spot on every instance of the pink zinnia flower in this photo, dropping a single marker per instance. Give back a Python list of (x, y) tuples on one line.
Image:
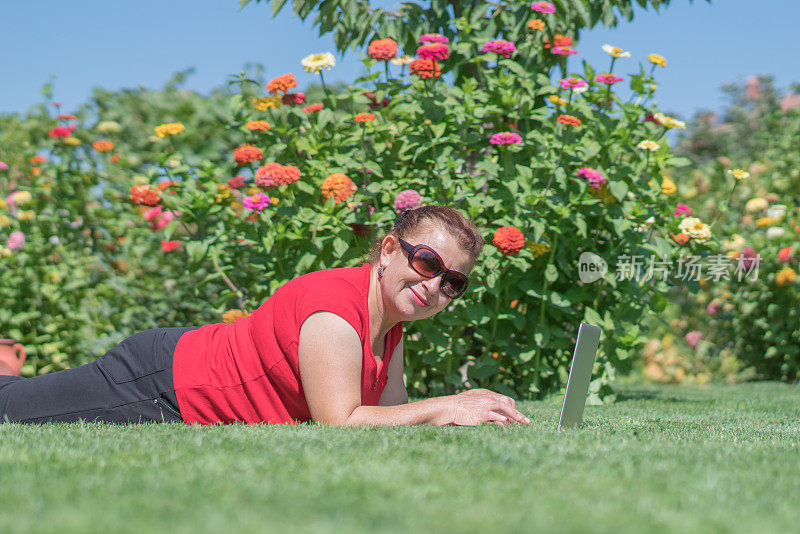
[(563, 51), (505, 138), (152, 214), (293, 98), (592, 175), (433, 38), (256, 202), (3, 166), (407, 200), (236, 182), (543, 7), (16, 240), (607, 78), (713, 307), (683, 209), (169, 246), (573, 83), (439, 51), (749, 257), (499, 47), (693, 338)]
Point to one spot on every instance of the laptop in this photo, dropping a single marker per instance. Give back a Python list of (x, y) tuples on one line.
[(580, 372)]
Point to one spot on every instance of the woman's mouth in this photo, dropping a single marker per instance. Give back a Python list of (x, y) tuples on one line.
[(419, 300)]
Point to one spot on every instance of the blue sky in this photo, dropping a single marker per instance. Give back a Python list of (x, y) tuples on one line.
[(125, 44)]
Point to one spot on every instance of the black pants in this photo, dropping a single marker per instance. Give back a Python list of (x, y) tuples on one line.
[(131, 383)]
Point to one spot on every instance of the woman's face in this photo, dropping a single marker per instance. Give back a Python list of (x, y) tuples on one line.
[(406, 292)]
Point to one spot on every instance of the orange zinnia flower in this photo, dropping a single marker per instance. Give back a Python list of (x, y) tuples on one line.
[(509, 240), (558, 40), (569, 119), (425, 68), (273, 174), (680, 238), (364, 117), (536, 24), (103, 146), (339, 186), (244, 154), (282, 84), (382, 49), (258, 125), (142, 195)]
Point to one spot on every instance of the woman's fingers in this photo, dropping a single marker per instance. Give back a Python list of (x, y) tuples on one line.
[(510, 413)]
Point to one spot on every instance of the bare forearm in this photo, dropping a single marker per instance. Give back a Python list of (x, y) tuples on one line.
[(435, 411)]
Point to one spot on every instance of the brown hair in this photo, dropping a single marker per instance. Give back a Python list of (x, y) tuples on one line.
[(465, 232)]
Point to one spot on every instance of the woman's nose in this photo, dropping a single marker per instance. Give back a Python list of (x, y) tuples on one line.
[(432, 285)]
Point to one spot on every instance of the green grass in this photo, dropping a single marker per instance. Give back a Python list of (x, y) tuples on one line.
[(662, 459)]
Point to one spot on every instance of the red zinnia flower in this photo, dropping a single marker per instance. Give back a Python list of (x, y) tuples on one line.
[(282, 84), (425, 68), (273, 174), (509, 240), (293, 98), (169, 246), (569, 119), (244, 154), (785, 255), (142, 195), (382, 49), (375, 104), (35, 160), (651, 118), (364, 117), (60, 131), (313, 107)]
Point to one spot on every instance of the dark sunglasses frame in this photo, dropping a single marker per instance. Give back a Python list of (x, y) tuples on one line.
[(412, 251)]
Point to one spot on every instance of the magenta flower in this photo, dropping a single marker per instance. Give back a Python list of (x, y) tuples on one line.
[(543, 7), (256, 202), (607, 78), (713, 307), (592, 175), (3, 166), (506, 138), (439, 51), (563, 51), (693, 338), (433, 38), (16, 240), (152, 214), (407, 200), (683, 209), (573, 83), (499, 47), (749, 257)]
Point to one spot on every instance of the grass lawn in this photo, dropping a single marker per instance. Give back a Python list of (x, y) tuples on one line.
[(662, 459)]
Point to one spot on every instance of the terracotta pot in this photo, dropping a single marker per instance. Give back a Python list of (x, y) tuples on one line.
[(10, 363)]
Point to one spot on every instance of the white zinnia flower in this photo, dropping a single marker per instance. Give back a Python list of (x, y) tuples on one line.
[(615, 51), (108, 127), (777, 212), (695, 228), (775, 232), (317, 62)]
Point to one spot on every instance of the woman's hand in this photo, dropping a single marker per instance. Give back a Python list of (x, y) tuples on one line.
[(477, 406)]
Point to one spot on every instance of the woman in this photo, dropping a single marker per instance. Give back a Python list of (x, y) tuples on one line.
[(325, 347)]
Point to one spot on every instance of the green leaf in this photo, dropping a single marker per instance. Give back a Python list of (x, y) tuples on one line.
[(619, 189), (340, 246), (551, 273), (277, 5)]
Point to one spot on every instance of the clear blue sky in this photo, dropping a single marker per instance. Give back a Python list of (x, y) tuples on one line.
[(125, 44)]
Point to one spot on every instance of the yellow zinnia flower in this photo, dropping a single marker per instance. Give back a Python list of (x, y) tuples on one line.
[(171, 128), (21, 198), (739, 174), (71, 141), (556, 100), (668, 186), (764, 221), (108, 127), (317, 62), (267, 102), (5, 221), (615, 51), (5, 252), (25, 215), (655, 59), (648, 145), (756, 204), (785, 276), (669, 122)]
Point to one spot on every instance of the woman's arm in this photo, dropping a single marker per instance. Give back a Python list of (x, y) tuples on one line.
[(395, 391), (329, 352)]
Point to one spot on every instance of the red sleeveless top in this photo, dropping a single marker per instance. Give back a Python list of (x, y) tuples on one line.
[(248, 371)]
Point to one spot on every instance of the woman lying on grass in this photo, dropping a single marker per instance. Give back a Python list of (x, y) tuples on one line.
[(325, 347)]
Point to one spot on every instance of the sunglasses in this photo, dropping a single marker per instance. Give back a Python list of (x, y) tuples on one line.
[(425, 261)]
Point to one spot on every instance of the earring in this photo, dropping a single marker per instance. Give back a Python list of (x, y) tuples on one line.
[(380, 270)]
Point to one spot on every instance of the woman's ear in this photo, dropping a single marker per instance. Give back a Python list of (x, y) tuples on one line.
[(389, 247)]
